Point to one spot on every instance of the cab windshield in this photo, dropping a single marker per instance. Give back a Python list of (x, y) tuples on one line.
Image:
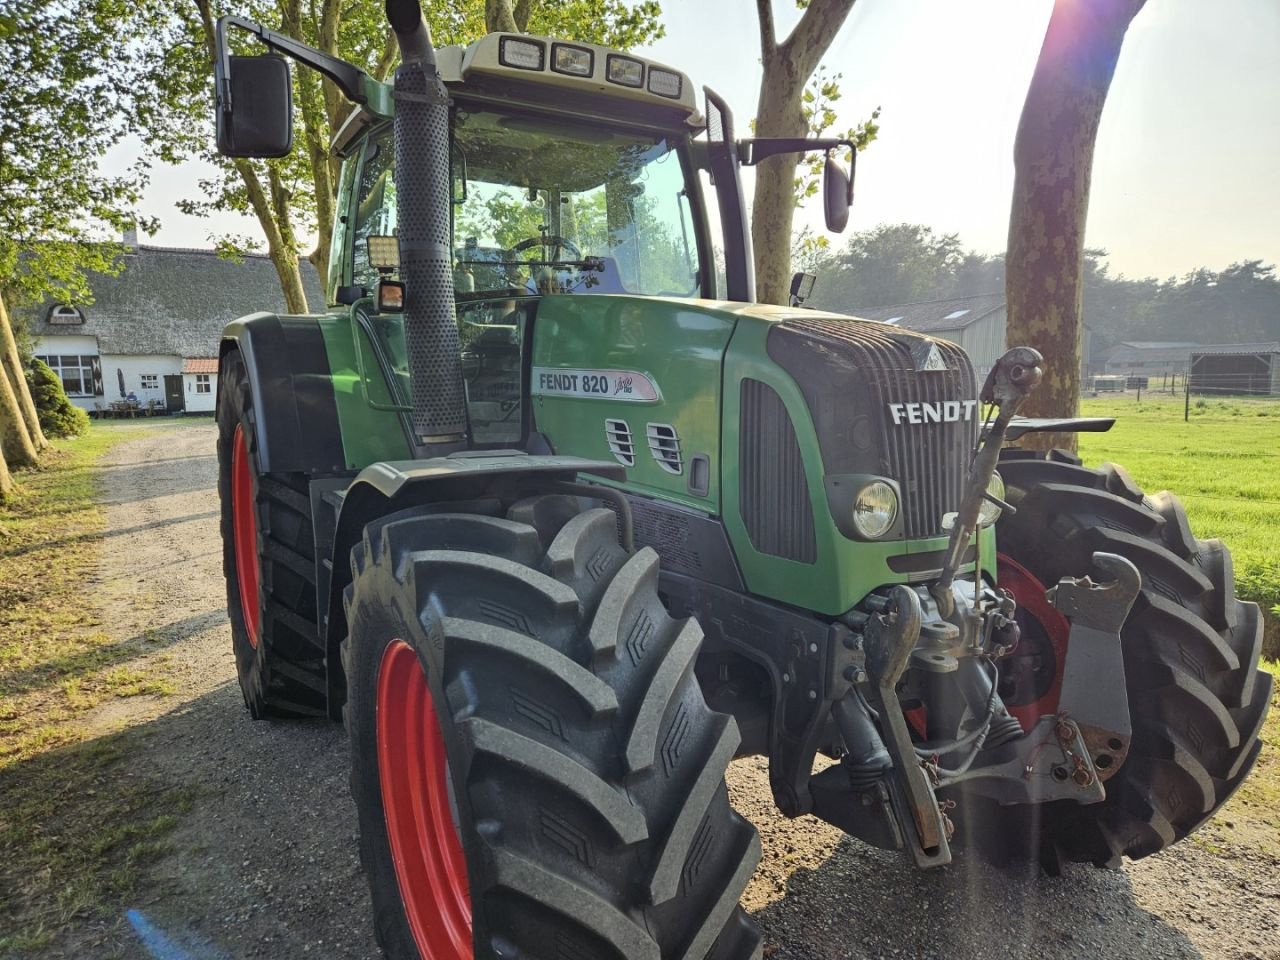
[(545, 205)]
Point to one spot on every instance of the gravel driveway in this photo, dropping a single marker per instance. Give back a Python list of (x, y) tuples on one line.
[(266, 864)]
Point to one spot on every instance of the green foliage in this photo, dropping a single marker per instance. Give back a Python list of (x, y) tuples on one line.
[(299, 189), (818, 106), (903, 263), (68, 75), (59, 417)]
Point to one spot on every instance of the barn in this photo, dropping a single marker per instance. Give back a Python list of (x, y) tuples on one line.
[(976, 323), (1237, 368)]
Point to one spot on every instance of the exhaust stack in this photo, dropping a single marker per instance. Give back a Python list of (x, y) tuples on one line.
[(426, 261)]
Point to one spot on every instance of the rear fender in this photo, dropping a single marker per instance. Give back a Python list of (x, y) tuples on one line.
[(296, 415), (381, 489)]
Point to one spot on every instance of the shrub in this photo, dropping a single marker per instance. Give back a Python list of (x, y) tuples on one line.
[(58, 416)]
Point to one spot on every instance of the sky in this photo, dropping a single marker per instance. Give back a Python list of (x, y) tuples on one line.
[(1186, 167)]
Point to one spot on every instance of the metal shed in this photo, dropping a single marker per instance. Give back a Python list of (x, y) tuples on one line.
[(1237, 368)]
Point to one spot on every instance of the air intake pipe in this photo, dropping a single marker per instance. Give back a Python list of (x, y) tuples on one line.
[(426, 262)]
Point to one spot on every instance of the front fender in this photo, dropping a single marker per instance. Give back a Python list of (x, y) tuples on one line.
[(295, 412)]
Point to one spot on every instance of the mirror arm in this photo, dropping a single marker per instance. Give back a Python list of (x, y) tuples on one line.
[(349, 78), (752, 151)]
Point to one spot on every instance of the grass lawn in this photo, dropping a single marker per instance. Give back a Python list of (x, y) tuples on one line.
[(75, 830), (1224, 465)]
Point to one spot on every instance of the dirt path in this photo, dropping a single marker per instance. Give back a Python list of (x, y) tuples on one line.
[(265, 865)]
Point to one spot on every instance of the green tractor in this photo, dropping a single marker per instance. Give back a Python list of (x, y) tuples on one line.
[(560, 522)]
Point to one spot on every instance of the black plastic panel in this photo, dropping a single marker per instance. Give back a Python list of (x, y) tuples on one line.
[(774, 495), (689, 542)]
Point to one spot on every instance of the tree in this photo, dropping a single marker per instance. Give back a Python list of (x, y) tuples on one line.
[(1053, 162), (788, 66), (67, 78), (297, 195), (11, 361)]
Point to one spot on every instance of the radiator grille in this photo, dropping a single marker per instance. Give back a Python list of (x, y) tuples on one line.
[(850, 372), (774, 495)]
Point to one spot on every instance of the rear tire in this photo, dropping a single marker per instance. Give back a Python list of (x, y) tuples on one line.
[(1191, 650), (586, 770), (268, 560)]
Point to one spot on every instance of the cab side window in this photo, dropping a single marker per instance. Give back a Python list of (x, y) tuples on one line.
[(375, 213)]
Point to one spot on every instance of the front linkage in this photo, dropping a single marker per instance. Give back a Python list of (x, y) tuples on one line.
[(886, 788)]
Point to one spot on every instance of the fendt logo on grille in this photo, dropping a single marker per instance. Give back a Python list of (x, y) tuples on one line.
[(944, 411)]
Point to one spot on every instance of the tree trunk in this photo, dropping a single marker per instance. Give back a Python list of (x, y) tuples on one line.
[(787, 68), (6, 479), (19, 451), (1053, 162), (12, 362)]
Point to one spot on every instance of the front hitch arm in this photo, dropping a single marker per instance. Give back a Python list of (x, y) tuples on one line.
[(889, 639), (1008, 384)]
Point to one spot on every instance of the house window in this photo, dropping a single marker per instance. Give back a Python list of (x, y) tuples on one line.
[(202, 383), (75, 372), (150, 381)]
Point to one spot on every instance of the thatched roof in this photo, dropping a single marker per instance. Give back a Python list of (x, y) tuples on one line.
[(174, 302)]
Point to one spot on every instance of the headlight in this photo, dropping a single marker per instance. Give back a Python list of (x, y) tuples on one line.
[(990, 513), (875, 509)]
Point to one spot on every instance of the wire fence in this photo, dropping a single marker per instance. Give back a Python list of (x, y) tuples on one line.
[(1256, 391)]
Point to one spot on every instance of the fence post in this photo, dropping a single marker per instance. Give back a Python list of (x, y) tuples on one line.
[(1186, 406)]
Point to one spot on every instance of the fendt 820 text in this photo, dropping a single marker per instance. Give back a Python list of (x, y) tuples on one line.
[(559, 522)]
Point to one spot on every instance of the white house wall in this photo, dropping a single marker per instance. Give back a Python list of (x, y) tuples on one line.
[(199, 402), (133, 368)]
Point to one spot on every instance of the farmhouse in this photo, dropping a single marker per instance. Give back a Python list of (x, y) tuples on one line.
[(976, 323), (153, 329)]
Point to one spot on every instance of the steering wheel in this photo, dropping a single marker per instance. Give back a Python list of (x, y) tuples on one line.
[(557, 244)]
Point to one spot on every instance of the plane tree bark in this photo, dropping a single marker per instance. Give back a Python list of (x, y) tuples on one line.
[(788, 65), (11, 359), (1053, 163)]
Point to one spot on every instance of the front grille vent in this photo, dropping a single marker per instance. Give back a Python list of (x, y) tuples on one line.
[(665, 447), (618, 435)]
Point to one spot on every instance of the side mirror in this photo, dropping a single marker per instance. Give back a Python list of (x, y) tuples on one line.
[(255, 108), (837, 195)]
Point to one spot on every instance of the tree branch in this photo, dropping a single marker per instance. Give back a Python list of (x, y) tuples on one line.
[(812, 36), (387, 58), (768, 33), (498, 17), (523, 11)]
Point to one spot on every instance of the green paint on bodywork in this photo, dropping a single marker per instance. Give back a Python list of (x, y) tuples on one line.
[(845, 570), (369, 433), (678, 344)]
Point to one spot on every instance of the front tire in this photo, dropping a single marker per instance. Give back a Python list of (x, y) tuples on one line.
[(580, 773), (268, 561), (1191, 650)]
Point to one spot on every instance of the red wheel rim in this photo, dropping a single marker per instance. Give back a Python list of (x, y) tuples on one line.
[(1029, 592), (244, 520), (413, 769)]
